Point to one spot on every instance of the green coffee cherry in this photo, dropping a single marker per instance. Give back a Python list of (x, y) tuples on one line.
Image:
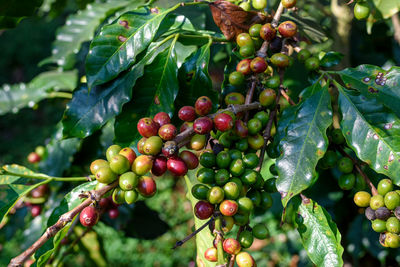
[(385, 186), (131, 196), (119, 164), (112, 151), (128, 181)]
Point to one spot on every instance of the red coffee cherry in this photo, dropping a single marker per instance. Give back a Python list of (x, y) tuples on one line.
[(36, 210), (33, 157), (176, 166), (105, 203), (40, 191), (203, 105), (190, 159), (167, 132), (162, 118), (113, 213), (231, 246), (203, 210), (211, 254), (267, 32), (223, 122), (187, 113), (287, 29), (89, 216), (244, 66), (159, 165), (241, 129), (228, 207), (140, 145), (203, 125), (258, 65), (147, 127), (147, 186), (128, 153)]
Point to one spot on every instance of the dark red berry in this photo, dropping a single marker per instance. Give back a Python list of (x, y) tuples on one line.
[(89, 216), (267, 32), (36, 210), (33, 157), (169, 149), (167, 132), (147, 127), (203, 125), (113, 213), (223, 122), (187, 113), (190, 159), (258, 65), (241, 129), (104, 203), (177, 166), (287, 29), (203, 210), (162, 118), (203, 105), (244, 66), (159, 165), (276, 45), (147, 186)]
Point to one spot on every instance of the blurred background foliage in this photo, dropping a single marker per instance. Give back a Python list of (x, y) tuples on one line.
[(145, 232)]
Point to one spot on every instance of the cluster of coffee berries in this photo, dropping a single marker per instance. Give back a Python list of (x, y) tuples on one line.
[(310, 62), (38, 155), (383, 210), (361, 10), (36, 198)]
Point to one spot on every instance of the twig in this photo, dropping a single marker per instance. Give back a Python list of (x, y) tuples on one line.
[(183, 241), (249, 98), (62, 221), (360, 171), (277, 15), (288, 99), (396, 27), (220, 250)]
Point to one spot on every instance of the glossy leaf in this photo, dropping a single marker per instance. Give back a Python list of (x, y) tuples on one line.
[(17, 96), (365, 79), (117, 45), (319, 234), (372, 131), (331, 59), (80, 27), (13, 11), (154, 92), (194, 78), (387, 8), (304, 144)]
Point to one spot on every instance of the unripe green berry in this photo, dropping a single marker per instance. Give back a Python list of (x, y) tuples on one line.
[(112, 151), (119, 164), (362, 199)]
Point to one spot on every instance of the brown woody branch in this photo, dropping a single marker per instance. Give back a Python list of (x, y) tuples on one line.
[(277, 15), (249, 98), (64, 219)]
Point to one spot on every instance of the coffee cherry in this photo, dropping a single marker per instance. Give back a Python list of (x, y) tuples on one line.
[(267, 32), (215, 195), (140, 145), (170, 149), (89, 216), (242, 145), (162, 118), (256, 142), (272, 170), (36, 210), (142, 165), (361, 10), (288, 3), (243, 39), (118, 196), (275, 46), (236, 78), (254, 30), (231, 190), (187, 113), (222, 177), (153, 145), (131, 196), (112, 151), (223, 159), (362, 199), (254, 125), (263, 117), (347, 181), (246, 239), (241, 129), (345, 165), (33, 157), (385, 186), (41, 151), (337, 136), (266, 201), (244, 259), (329, 160), (159, 165), (382, 213), (234, 98), (250, 160), (312, 63), (167, 132), (245, 6), (228, 207), (203, 210), (241, 219), (260, 231), (376, 202), (397, 212), (203, 125), (270, 185), (393, 225), (245, 205), (176, 166), (392, 200), (97, 164), (223, 122), (105, 203), (231, 246), (243, 67), (259, 4), (235, 154), (236, 167), (205, 176), (207, 159), (211, 254), (113, 213), (249, 177), (378, 226), (147, 186), (392, 240), (40, 191), (287, 29), (129, 154), (119, 164), (225, 139), (105, 175), (258, 65), (128, 181), (247, 50), (280, 60), (303, 55), (190, 159), (199, 191), (203, 105), (370, 214), (147, 127)]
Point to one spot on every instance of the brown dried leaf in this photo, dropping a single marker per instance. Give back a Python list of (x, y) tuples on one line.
[(232, 19)]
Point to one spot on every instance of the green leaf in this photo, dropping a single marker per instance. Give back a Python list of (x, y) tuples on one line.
[(304, 144), (194, 78), (308, 26), (319, 234), (80, 27), (17, 96), (117, 45), (331, 59), (13, 11), (365, 79), (204, 238), (70, 201), (387, 8), (154, 92), (371, 131), (87, 112)]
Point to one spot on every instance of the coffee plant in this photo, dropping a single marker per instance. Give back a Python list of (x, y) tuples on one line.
[(235, 162)]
